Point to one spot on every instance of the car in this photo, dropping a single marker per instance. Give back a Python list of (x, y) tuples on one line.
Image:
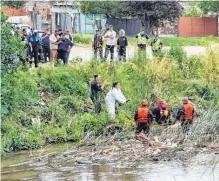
[(24, 26)]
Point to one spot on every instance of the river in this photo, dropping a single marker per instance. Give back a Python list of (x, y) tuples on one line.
[(42, 165)]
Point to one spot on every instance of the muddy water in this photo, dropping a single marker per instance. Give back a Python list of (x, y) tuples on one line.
[(46, 164)]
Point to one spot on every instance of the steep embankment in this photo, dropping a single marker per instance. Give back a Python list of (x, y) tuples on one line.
[(59, 100)]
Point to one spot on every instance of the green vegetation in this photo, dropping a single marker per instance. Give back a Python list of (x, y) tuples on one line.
[(59, 97), (168, 41), (82, 38)]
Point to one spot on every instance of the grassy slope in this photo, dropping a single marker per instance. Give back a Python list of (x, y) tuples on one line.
[(168, 41), (64, 113)]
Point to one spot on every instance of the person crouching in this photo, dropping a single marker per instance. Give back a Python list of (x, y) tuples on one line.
[(143, 118)]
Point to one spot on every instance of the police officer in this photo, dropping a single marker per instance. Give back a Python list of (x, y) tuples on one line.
[(122, 42), (97, 43), (156, 45), (34, 42), (142, 39), (96, 88)]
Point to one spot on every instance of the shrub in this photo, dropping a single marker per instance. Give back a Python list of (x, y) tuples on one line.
[(177, 53)]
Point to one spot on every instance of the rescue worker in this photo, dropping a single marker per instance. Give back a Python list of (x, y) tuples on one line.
[(142, 40), (53, 47), (34, 41), (110, 43), (95, 90), (156, 45), (185, 115), (97, 43), (143, 118), (64, 45), (161, 112), (122, 43), (113, 96), (46, 45)]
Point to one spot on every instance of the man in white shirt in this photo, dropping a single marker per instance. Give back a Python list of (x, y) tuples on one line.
[(111, 36)]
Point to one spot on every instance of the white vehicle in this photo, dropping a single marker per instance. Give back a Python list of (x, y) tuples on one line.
[(23, 26)]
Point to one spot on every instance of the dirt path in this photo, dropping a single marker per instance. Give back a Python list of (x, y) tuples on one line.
[(85, 52)]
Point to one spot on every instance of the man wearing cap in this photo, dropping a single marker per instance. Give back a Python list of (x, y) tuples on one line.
[(110, 43), (34, 41), (143, 118), (53, 47), (142, 39), (97, 43)]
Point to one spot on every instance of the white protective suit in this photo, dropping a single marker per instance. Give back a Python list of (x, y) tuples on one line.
[(112, 96)]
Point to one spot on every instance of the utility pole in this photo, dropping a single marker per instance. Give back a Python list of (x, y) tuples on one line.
[(65, 15)]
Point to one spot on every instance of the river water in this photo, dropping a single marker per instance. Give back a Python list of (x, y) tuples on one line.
[(42, 165)]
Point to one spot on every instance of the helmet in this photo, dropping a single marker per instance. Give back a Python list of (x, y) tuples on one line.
[(144, 103)]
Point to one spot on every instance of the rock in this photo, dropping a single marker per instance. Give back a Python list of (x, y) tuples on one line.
[(156, 152)]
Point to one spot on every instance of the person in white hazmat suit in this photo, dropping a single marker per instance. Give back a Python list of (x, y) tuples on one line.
[(113, 96)]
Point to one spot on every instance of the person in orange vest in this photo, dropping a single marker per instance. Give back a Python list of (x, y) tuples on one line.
[(185, 115), (143, 118), (161, 112)]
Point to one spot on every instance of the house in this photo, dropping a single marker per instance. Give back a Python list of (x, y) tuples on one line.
[(22, 15), (68, 16)]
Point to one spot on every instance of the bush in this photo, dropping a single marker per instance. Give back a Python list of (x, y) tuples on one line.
[(177, 53), (82, 38), (11, 46)]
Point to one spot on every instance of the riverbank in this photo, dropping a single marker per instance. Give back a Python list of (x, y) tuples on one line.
[(52, 105), (116, 156)]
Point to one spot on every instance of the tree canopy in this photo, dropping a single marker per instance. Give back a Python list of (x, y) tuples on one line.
[(14, 4), (209, 6), (151, 13)]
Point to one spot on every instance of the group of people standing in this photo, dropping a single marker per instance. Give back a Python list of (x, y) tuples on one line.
[(49, 46), (143, 116), (143, 40)]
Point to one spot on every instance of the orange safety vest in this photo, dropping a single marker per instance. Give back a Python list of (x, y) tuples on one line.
[(143, 115), (188, 111)]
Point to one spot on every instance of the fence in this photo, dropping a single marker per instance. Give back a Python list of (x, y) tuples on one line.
[(195, 26)]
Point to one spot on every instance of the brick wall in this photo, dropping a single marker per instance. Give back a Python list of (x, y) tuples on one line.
[(14, 11)]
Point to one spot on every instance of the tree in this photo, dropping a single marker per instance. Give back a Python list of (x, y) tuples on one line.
[(209, 6), (10, 46), (151, 13), (14, 4)]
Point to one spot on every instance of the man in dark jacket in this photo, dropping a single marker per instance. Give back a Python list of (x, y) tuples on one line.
[(46, 45), (97, 44), (122, 42), (95, 90), (34, 41), (64, 46)]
